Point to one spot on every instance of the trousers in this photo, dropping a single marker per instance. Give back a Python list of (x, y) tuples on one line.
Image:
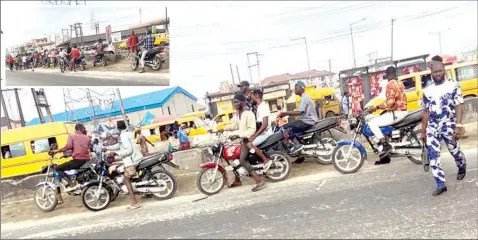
[(385, 120), (434, 138)]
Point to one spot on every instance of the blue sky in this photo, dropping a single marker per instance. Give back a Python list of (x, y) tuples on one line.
[(208, 36)]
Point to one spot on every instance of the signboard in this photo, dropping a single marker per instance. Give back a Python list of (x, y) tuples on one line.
[(224, 106), (375, 79), (273, 95), (276, 88), (108, 33), (116, 37), (355, 87)]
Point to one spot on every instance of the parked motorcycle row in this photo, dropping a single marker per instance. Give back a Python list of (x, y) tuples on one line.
[(102, 182)]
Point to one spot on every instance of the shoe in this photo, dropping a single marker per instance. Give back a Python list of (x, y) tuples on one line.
[(141, 71), (299, 160), (439, 191), (296, 148), (384, 160), (69, 189), (267, 165), (461, 173), (385, 149), (258, 186)]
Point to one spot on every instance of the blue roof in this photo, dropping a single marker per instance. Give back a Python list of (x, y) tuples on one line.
[(132, 104)]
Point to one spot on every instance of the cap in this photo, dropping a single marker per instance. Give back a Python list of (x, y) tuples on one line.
[(300, 84), (240, 97), (243, 83)]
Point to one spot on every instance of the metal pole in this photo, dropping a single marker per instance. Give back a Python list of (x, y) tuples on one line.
[(391, 49), (353, 48), (238, 76), (122, 108), (19, 106), (232, 74), (35, 99), (330, 65), (167, 20), (90, 101), (47, 107), (5, 112), (249, 66), (258, 68), (308, 60), (439, 42)]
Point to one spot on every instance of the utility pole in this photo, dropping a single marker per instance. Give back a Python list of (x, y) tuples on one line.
[(391, 48), (71, 32), (330, 65), (254, 65), (307, 54), (140, 20), (5, 112), (90, 101), (97, 29), (352, 37), (167, 20), (37, 105), (19, 106), (125, 118), (439, 37), (232, 74), (238, 76), (81, 34), (370, 57)]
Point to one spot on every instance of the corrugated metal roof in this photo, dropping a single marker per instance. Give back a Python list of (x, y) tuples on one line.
[(132, 104)]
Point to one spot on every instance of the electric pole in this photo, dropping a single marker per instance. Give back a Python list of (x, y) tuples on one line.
[(439, 37), (37, 106), (81, 34), (90, 101), (238, 76), (140, 20), (125, 118), (370, 57), (307, 54), (232, 74), (71, 33), (254, 65), (391, 47), (19, 106), (5, 112), (330, 65), (352, 37)]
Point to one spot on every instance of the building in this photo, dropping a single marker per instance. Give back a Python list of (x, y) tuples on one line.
[(314, 77), (4, 124), (173, 101)]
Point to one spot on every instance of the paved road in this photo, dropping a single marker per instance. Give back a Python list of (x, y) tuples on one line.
[(37, 78), (392, 201)]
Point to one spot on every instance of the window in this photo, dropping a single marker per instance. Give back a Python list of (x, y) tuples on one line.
[(426, 80), (448, 75), (43, 145), (192, 107), (152, 131), (219, 119), (169, 110), (231, 116), (409, 84), (467, 72), (13, 150)]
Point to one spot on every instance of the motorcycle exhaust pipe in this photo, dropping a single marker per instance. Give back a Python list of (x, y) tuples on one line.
[(310, 146), (408, 151)]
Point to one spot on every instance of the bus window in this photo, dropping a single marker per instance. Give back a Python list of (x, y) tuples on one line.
[(152, 131), (426, 80), (43, 145), (466, 72), (409, 84), (14, 150)]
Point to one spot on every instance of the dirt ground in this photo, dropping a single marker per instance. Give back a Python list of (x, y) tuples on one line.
[(26, 210)]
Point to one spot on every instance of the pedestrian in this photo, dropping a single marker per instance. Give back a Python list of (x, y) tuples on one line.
[(346, 104), (442, 121), (24, 61), (183, 138), (163, 133), (148, 46), (133, 42), (18, 60), (75, 56), (143, 143), (10, 62)]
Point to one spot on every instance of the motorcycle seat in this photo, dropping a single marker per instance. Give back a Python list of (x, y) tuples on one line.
[(153, 52), (323, 124), (411, 119), (151, 160), (271, 140)]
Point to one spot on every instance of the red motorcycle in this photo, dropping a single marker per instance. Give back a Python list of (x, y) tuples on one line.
[(214, 173)]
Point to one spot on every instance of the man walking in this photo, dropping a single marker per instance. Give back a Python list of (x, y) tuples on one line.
[(133, 41), (442, 120)]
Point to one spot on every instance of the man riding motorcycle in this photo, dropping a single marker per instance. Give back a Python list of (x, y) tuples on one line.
[(244, 129), (396, 110), (307, 112)]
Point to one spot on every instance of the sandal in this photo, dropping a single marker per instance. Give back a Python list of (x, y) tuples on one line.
[(132, 207), (258, 186)]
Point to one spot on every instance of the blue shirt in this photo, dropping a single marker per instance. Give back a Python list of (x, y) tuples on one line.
[(149, 42), (183, 137)]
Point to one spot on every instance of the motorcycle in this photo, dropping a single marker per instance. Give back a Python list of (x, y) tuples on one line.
[(401, 136), (80, 64), (101, 59), (318, 141), (151, 179), (153, 59), (46, 194), (229, 153)]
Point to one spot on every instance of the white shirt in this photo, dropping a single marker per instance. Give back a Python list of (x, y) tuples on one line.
[(126, 149), (24, 59), (262, 112), (62, 54)]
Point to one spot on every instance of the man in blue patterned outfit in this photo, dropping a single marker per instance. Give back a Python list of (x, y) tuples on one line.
[(442, 121)]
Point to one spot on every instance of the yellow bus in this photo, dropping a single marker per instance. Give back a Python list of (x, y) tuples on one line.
[(330, 105), (151, 131), (465, 73), (25, 150)]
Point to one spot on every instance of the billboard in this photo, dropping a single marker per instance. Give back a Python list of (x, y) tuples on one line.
[(116, 37)]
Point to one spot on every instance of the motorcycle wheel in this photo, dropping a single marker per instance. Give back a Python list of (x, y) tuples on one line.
[(157, 63), (281, 162), (164, 176), (329, 144), (338, 158), (47, 194), (62, 67), (134, 64), (414, 159), (103, 63), (90, 192), (207, 172), (81, 67)]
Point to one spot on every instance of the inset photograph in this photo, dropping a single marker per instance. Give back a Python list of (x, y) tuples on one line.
[(84, 45)]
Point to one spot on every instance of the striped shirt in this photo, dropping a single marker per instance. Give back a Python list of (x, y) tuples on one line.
[(149, 40)]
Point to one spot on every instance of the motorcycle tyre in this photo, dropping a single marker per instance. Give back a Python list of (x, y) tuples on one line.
[(175, 184), (198, 183), (334, 162), (86, 205), (134, 64), (52, 207), (158, 59)]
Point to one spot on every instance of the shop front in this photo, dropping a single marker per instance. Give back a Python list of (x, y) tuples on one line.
[(276, 95)]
